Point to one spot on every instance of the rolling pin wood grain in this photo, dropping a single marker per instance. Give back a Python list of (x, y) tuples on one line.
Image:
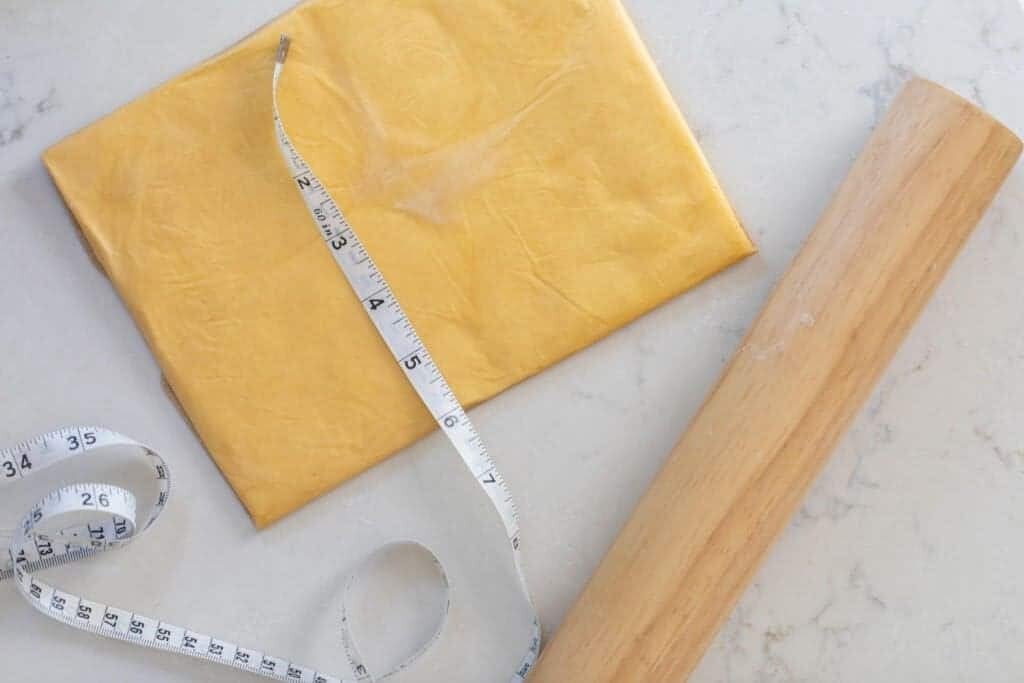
[(828, 330)]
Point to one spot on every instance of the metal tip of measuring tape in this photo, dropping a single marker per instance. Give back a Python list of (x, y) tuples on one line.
[(282, 48)]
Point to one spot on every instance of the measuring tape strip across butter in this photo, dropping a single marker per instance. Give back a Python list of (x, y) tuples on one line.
[(112, 509)]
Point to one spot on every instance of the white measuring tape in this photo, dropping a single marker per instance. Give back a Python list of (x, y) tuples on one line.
[(112, 509)]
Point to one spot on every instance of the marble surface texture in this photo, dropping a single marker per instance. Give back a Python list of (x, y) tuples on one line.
[(904, 562)]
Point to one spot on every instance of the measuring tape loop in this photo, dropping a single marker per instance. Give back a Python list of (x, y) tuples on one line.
[(355, 659), (112, 509), (114, 523)]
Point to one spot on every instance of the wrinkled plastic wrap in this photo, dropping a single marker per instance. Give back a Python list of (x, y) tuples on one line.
[(517, 169)]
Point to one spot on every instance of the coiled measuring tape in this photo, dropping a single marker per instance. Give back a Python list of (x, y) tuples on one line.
[(112, 509)]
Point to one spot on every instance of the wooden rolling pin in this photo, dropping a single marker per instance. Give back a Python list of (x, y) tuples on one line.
[(812, 356)]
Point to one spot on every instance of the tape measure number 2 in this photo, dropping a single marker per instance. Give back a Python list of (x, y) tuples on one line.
[(113, 516)]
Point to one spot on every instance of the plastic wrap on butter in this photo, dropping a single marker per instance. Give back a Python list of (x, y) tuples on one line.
[(516, 168)]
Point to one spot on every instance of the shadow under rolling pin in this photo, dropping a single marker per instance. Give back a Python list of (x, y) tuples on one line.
[(919, 187)]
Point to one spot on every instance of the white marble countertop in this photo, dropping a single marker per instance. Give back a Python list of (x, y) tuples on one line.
[(902, 565)]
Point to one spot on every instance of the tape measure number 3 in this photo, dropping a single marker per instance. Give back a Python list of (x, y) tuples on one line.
[(113, 519)]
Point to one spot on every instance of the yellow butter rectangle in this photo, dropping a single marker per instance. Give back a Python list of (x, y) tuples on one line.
[(517, 169)]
